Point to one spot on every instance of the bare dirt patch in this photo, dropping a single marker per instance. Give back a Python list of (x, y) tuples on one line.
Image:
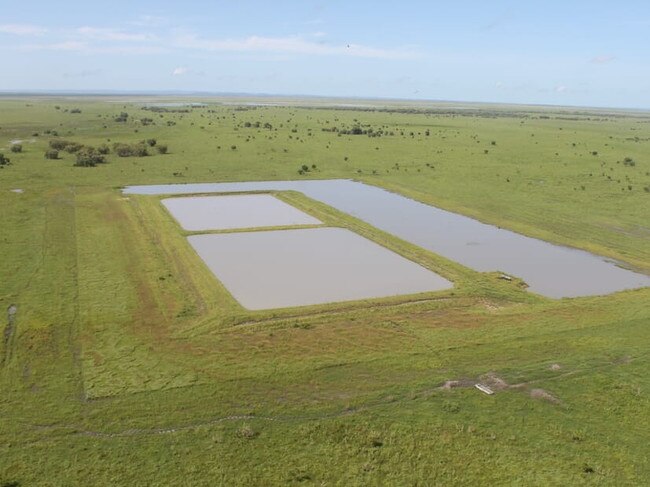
[(452, 384), (494, 382), (543, 395)]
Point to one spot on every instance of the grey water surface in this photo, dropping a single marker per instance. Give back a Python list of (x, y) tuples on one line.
[(283, 268), (550, 270), (197, 213)]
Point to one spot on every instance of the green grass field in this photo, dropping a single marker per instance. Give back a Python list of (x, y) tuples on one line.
[(127, 363)]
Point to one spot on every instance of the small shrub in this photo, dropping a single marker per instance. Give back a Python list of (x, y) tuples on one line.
[(162, 149), (52, 154), (4, 160), (151, 142), (74, 147), (104, 149), (16, 148), (247, 432), (140, 150), (58, 144)]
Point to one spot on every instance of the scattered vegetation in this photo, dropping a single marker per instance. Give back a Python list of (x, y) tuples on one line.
[(113, 365)]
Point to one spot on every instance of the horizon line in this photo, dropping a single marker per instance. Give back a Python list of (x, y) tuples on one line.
[(223, 94)]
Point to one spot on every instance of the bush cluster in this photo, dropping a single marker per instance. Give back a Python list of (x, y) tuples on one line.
[(138, 149), (66, 145), (89, 157)]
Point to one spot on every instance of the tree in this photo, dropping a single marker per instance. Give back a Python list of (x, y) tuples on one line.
[(52, 154)]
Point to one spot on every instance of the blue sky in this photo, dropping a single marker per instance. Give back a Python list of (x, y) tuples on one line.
[(589, 53)]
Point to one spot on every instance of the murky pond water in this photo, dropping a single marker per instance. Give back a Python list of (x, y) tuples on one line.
[(283, 268), (551, 270), (197, 213)]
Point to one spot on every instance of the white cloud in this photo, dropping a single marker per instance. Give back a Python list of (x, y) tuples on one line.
[(107, 40), (104, 34), (498, 84), (58, 46), (560, 89), (180, 71), (84, 73), (293, 45), (22, 29), (148, 21), (603, 59), (85, 48)]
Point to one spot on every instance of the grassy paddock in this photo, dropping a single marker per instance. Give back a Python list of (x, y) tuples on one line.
[(128, 362)]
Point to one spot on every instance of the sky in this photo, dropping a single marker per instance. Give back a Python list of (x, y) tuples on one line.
[(582, 53)]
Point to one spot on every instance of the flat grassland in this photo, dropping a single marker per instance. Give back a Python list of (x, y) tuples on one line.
[(126, 362)]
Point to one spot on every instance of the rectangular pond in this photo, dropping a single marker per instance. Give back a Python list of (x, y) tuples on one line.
[(283, 268), (199, 213), (550, 270)]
